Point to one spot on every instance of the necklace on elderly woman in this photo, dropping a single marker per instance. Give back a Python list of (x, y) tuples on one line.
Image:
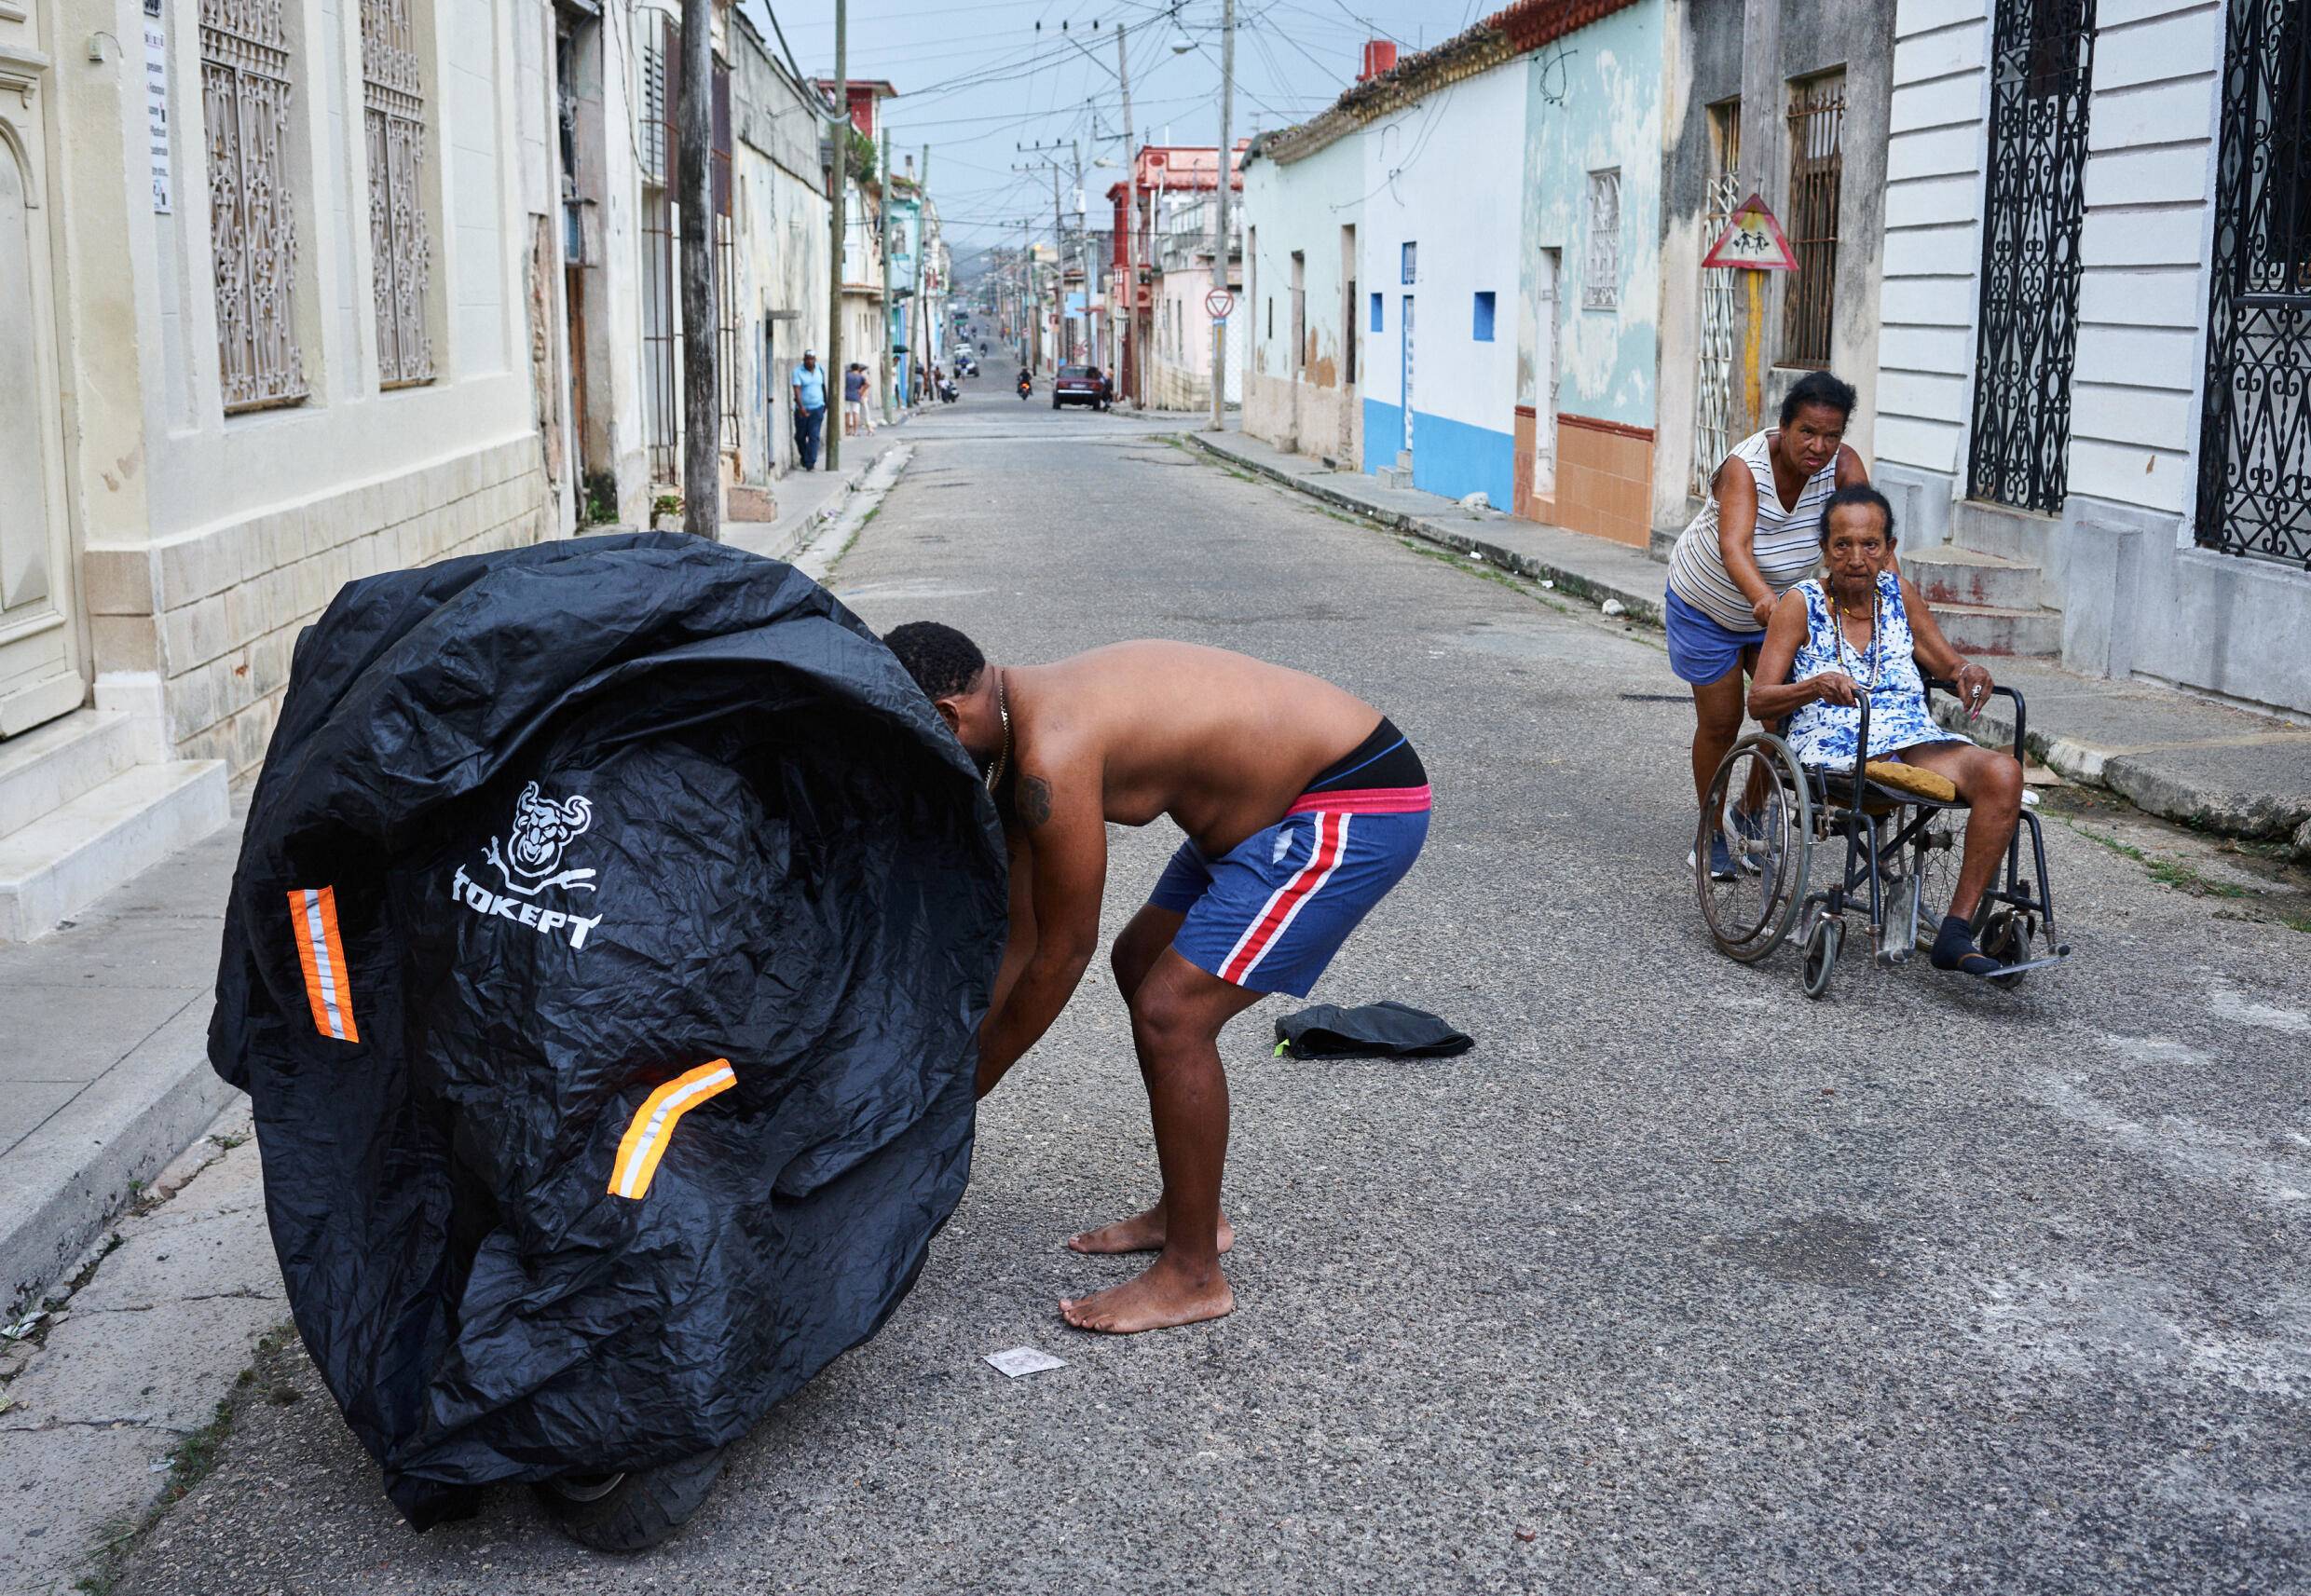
[(1869, 656)]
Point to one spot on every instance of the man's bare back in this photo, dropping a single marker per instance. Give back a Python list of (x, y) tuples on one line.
[(1219, 741)]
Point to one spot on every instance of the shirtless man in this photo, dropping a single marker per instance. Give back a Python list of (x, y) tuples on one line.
[(1301, 805)]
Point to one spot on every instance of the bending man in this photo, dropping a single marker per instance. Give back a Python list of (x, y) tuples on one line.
[(1301, 805)]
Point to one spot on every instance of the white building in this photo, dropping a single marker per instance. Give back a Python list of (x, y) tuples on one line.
[(282, 277), (1305, 324), (2096, 392), (1178, 185)]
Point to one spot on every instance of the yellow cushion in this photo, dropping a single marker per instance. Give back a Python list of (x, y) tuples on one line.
[(1915, 780)]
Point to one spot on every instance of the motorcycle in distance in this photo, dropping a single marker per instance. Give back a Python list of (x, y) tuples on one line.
[(1027, 385)]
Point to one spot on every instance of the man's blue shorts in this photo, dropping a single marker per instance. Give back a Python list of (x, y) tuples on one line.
[(1700, 649), (1269, 914)]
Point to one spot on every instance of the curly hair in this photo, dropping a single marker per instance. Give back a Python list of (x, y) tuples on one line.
[(1817, 387), (942, 660)]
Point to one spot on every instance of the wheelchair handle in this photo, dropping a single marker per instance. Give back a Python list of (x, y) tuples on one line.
[(2021, 712)]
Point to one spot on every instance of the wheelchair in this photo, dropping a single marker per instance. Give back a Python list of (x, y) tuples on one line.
[(1901, 828)]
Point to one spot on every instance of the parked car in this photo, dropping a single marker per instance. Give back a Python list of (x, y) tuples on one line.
[(1079, 385)]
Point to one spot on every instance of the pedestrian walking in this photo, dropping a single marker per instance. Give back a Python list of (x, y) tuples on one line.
[(854, 417), (810, 408), (1755, 538)]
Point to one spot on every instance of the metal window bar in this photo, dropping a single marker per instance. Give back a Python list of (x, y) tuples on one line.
[(725, 263), (401, 254), (245, 95), (1600, 288), (662, 437), (1713, 393), (1817, 116), (2042, 73), (2254, 486)]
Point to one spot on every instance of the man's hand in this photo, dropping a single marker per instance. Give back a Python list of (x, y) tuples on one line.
[(1835, 686), (1056, 806), (1763, 608)]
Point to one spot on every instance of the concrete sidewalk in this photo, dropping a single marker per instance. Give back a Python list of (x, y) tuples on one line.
[(103, 1057), (807, 500), (2180, 757)]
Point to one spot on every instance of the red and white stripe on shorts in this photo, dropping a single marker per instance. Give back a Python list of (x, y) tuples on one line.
[(1285, 904)]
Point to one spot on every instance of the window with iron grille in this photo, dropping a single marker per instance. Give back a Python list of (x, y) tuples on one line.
[(1600, 286), (401, 251), (1817, 117), (2254, 467), (245, 90), (1412, 260), (725, 259), (1719, 417)]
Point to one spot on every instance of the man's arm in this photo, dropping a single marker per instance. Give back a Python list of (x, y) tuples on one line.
[(1060, 810)]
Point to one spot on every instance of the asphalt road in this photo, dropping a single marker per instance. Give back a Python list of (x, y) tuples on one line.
[(1677, 1283)]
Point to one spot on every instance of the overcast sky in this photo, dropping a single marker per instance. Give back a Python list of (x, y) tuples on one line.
[(977, 80)]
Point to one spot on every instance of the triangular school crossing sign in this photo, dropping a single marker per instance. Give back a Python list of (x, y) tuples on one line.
[(1752, 241)]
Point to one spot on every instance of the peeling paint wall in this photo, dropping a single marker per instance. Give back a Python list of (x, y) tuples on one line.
[(1305, 404)]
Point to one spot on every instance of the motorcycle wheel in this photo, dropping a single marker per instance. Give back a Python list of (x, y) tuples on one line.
[(634, 1512)]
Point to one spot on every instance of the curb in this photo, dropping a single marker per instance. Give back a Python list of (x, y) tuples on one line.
[(1638, 606), (61, 1185)]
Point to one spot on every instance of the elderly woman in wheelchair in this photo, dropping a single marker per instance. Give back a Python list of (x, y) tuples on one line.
[(1839, 667)]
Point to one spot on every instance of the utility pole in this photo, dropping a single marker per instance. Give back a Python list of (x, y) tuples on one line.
[(919, 346), (1059, 274), (884, 389), (832, 371), (701, 419), (1128, 344), (1083, 242), (1219, 245)]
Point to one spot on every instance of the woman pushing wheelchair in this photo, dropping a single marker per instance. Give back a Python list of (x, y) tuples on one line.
[(1860, 632)]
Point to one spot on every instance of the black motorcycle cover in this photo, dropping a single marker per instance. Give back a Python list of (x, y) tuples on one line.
[(605, 961)]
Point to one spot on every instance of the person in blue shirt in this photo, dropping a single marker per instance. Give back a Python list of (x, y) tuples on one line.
[(810, 408)]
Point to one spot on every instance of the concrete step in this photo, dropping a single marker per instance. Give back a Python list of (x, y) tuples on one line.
[(49, 766), (1948, 574), (1991, 628), (2023, 536), (81, 850)]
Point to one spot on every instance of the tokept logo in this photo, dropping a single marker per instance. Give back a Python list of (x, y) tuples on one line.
[(529, 862)]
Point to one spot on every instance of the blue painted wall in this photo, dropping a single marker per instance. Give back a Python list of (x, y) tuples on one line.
[(1449, 456), (1454, 458)]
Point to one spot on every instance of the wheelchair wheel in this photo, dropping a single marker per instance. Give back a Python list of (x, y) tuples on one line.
[(1760, 807), (1935, 862), (2005, 936), (1821, 947)]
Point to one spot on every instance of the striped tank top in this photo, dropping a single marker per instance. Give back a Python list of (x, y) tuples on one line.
[(1786, 544)]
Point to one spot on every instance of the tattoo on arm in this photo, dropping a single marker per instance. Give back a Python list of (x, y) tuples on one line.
[(1034, 801)]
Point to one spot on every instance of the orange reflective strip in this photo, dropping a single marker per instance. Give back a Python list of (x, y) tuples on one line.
[(320, 954), (652, 1127)]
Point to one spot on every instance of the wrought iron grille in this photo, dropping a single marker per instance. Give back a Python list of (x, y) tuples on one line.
[(1817, 166), (662, 436), (2042, 67), (1714, 421), (1600, 286), (245, 92), (2254, 483), (401, 252)]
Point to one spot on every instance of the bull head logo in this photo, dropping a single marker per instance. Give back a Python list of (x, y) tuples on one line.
[(531, 861)]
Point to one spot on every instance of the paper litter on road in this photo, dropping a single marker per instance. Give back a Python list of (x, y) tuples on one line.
[(1024, 1360)]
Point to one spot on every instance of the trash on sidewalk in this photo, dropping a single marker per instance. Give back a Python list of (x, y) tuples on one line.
[(605, 960), (1024, 1360), (1614, 606), (1382, 1030)]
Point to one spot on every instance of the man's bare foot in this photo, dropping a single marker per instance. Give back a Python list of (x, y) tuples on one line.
[(1141, 1233), (1164, 1295)]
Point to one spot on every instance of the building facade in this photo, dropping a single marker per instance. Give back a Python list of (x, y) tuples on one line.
[(1179, 188), (1306, 325), (2097, 303), (1789, 100)]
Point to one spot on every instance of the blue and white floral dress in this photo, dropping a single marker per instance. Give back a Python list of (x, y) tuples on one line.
[(1822, 734)]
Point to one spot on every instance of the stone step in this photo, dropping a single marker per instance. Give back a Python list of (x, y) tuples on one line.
[(1991, 628), (1948, 574), (81, 850), (49, 766)]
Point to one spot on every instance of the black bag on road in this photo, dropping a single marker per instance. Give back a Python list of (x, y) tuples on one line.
[(606, 961), (1383, 1029)]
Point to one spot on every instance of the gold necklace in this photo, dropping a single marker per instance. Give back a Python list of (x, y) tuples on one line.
[(1003, 707)]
